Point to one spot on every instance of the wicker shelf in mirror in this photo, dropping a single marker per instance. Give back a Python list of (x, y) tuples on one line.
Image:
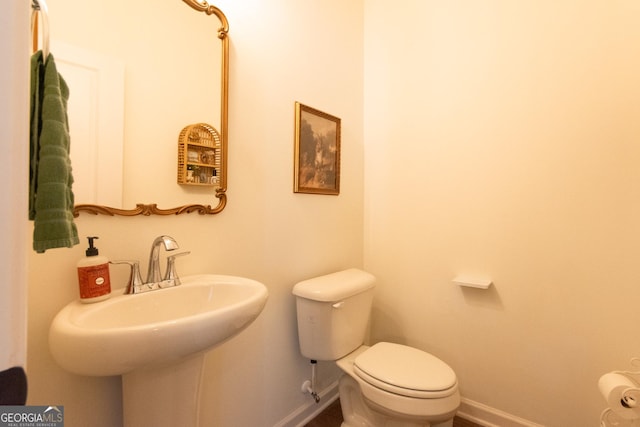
[(199, 156)]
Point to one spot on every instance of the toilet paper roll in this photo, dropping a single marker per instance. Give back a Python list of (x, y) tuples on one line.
[(613, 388)]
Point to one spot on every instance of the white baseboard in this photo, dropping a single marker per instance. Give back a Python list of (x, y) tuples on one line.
[(470, 410), (310, 410), (490, 417)]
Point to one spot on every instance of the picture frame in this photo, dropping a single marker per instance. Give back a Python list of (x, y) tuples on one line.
[(316, 151)]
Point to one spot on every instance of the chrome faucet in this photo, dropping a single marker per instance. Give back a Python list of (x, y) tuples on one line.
[(171, 275), (135, 285), (153, 273), (154, 276)]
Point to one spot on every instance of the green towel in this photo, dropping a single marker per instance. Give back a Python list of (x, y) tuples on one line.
[(50, 196)]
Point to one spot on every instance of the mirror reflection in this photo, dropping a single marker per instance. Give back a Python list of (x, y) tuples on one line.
[(162, 65)]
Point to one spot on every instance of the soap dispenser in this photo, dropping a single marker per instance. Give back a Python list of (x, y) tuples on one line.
[(93, 275)]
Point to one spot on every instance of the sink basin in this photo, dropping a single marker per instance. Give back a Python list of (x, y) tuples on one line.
[(130, 332)]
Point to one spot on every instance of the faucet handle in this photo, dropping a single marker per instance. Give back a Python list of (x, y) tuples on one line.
[(135, 280), (171, 273)]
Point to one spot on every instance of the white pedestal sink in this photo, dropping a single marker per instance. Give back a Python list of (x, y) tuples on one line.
[(156, 341)]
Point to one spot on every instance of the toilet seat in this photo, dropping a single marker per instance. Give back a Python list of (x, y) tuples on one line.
[(405, 371)]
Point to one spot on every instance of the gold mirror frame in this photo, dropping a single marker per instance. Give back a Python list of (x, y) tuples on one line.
[(153, 209)]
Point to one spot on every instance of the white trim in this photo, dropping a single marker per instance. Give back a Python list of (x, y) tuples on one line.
[(490, 417), (14, 184), (310, 410), (470, 410)]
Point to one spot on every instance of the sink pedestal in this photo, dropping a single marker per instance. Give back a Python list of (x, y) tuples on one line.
[(166, 395)]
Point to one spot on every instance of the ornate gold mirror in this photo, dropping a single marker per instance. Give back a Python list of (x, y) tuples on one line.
[(174, 66)]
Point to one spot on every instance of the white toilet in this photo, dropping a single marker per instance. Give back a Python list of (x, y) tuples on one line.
[(387, 384)]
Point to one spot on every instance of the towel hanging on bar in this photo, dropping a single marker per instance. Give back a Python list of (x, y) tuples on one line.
[(51, 197), (39, 8)]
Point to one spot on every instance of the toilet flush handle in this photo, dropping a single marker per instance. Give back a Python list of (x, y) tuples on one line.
[(338, 304)]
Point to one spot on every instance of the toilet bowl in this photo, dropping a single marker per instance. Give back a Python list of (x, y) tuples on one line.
[(385, 385), (395, 385)]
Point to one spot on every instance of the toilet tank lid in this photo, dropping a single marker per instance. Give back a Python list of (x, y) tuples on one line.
[(335, 286)]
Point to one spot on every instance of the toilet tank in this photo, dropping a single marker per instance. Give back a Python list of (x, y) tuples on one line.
[(333, 313)]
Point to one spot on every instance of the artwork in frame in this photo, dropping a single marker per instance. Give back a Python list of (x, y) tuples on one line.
[(317, 152)]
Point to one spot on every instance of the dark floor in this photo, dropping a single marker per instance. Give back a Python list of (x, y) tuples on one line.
[(332, 417)]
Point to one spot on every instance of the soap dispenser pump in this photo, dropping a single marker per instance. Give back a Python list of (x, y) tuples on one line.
[(93, 275)]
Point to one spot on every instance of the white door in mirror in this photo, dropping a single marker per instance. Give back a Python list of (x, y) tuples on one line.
[(96, 122)]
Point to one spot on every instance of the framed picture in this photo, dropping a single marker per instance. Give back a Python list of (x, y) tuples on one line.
[(317, 152)]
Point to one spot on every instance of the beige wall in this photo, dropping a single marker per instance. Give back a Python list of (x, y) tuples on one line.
[(502, 141), (281, 52)]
